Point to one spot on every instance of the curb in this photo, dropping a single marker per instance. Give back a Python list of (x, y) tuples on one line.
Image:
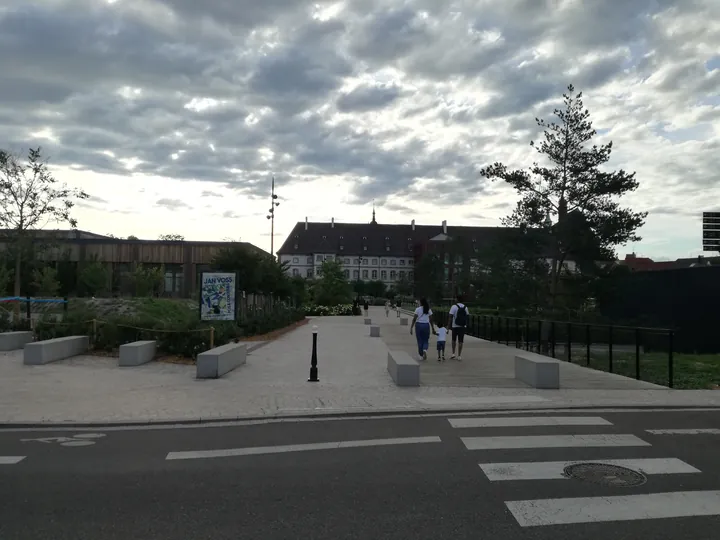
[(340, 415)]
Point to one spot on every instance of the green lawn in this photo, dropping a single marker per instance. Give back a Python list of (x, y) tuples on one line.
[(690, 371)]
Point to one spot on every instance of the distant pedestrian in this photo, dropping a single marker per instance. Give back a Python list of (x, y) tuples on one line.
[(387, 308), (422, 323), (398, 308), (366, 307), (457, 324), (441, 337)]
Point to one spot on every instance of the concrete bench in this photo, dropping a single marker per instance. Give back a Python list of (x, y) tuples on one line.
[(12, 341), (368, 321), (217, 362), (52, 350), (537, 371), (137, 353), (404, 370), (374, 331), (404, 321)]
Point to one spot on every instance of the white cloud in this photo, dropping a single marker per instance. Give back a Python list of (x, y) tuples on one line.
[(198, 104)]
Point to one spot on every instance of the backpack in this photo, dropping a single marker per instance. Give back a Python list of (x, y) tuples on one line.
[(461, 316)]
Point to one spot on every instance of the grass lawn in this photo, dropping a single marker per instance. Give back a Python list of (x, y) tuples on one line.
[(690, 371)]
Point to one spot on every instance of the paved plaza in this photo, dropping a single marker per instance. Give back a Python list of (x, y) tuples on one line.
[(353, 379)]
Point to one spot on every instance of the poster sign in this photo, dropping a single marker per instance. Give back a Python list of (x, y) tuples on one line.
[(217, 296)]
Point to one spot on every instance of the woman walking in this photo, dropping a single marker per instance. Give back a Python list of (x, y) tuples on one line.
[(423, 324)]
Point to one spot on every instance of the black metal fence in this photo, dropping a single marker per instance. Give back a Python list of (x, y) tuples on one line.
[(642, 353)]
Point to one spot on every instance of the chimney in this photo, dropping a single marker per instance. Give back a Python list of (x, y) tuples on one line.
[(412, 224), (332, 223), (306, 223), (444, 227)]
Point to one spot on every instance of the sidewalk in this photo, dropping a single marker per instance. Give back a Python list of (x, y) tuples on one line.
[(353, 379)]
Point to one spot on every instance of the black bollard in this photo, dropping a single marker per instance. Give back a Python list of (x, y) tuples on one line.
[(313, 360)]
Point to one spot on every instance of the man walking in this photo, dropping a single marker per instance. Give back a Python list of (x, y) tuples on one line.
[(457, 323)]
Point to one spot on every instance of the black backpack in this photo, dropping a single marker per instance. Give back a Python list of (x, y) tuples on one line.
[(461, 316)]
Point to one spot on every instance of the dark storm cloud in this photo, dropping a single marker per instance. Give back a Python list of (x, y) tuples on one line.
[(232, 91)]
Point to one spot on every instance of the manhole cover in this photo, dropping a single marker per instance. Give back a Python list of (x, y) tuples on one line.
[(604, 474)]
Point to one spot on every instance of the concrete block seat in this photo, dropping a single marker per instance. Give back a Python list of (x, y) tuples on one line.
[(52, 350), (137, 353), (12, 341), (537, 371), (217, 362), (404, 321), (404, 370), (374, 331), (368, 321)]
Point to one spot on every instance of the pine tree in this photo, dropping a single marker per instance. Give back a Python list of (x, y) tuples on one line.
[(573, 198)]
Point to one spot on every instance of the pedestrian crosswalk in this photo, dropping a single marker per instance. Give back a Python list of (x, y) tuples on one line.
[(577, 510), (11, 460)]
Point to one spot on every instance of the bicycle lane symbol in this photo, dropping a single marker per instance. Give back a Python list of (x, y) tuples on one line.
[(82, 439)]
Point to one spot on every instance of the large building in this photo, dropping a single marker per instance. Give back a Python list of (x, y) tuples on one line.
[(183, 261), (374, 251)]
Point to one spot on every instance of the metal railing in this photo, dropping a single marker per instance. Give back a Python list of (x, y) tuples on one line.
[(580, 343)]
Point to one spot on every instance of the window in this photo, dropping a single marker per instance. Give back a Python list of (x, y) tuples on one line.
[(296, 246), (346, 273), (342, 248), (393, 262), (324, 237), (410, 275), (328, 257), (402, 274), (387, 248), (296, 260), (374, 274), (346, 261), (357, 261), (319, 258), (384, 262), (364, 248), (295, 272), (309, 272), (374, 262), (410, 262), (383, 274), (365, 261), (402, 262), (393, 274), (309, 260), (356, 274), (342, 238), (365, 274)]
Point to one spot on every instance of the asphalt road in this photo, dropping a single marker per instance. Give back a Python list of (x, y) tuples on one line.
[(122, 486)]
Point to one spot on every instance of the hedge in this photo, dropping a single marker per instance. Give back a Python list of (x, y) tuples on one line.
[(186, 339)]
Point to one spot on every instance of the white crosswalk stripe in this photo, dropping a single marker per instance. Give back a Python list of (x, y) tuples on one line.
[(577, 510), (10, 460)]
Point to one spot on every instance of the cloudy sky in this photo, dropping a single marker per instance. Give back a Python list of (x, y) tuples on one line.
[(174, 114)]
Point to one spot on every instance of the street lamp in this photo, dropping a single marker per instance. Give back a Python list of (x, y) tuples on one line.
[(271, 217)]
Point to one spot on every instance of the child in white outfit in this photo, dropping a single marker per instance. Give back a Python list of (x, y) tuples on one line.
[(441, 336)]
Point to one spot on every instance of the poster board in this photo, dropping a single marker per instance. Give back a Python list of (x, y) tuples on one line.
[(218, 295)]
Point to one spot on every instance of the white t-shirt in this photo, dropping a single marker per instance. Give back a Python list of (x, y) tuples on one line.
[(454, 310), (441, 333), (423, 317)]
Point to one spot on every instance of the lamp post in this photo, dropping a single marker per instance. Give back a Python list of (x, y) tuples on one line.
[(271, 217), (313, 360)]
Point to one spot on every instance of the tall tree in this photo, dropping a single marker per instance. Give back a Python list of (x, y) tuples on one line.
[(571, 197), (331, 287), (30, 198)]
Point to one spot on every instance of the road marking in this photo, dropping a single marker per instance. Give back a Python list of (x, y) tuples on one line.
[(486, 400), (620, 508), (552, 470), (258, 450), (528, 421), (81, 439), (10, 460), (684, 431), (550, 441)]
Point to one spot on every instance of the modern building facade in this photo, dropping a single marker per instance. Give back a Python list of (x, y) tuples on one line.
[(379, 252), (183, 261)]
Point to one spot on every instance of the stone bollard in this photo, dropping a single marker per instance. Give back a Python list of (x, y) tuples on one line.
[(404, 321), (374, 331), (368, 321)]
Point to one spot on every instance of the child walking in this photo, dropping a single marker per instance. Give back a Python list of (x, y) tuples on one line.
[(441, 336)]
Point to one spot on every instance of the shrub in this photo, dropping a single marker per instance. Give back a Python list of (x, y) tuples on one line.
[(184, 338), (313, 310)]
